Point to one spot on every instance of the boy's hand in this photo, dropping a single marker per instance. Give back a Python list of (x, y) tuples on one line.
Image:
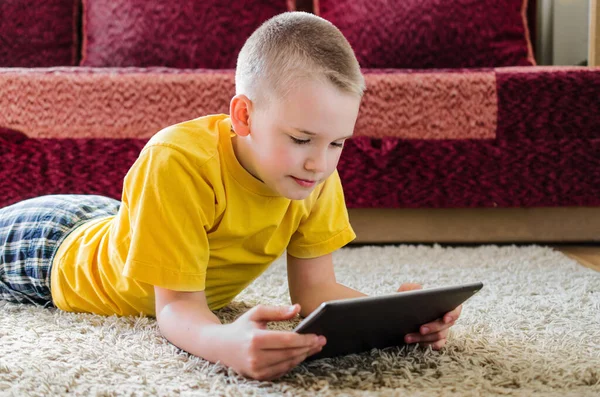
[(433, 334), (262, 354)]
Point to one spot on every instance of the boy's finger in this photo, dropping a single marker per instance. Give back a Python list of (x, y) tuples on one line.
[(277, 356), (435, 326), (409, 287), (273, 357), (299, 360), (436, 345), (286, 340), (417, 338), (273, 313), (314, 350), (280, 369), (453, 315)]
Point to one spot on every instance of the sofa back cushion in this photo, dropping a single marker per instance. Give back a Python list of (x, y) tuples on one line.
[(38, 33), (179, 34), (433, 33)]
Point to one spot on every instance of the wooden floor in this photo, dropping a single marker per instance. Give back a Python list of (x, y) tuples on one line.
[(588, 256)]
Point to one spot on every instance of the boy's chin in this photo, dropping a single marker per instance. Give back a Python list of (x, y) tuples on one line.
[(294, 193), (298, 196)]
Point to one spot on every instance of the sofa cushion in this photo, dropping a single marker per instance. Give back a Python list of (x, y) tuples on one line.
[(38, 33), (179, 34), (433, 33)]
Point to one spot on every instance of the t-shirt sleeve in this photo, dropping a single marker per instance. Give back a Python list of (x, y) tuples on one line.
[(327, 227), (170, 203)]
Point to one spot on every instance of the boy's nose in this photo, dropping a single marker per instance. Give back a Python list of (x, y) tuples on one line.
[(316, 163)]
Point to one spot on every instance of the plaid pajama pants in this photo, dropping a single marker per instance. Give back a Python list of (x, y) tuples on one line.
[(30, 233)]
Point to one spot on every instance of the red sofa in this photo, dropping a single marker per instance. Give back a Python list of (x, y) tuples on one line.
[(460, 137)]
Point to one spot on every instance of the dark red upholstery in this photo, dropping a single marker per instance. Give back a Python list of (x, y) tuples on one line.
[(180, 34), (38, 33), (433, 33)]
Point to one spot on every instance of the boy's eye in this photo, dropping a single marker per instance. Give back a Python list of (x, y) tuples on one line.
[(305, 141), (300, 141)]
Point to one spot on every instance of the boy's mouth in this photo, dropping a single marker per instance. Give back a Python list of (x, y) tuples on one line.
[(304, 182)]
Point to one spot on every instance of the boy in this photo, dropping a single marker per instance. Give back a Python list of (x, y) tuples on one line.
[(208, 205)]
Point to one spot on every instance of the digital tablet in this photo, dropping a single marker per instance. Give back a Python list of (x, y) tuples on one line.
[(359, 324)]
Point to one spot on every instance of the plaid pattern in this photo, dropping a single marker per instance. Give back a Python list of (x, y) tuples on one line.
[(30, 233)]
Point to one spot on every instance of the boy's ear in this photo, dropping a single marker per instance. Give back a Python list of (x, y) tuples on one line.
[(240, 108)]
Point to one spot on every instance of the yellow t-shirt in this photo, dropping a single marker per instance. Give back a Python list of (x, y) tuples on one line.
[(192, 219)]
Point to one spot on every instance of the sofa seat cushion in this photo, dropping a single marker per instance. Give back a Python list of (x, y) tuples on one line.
[(35, 167), (471, 173), (393, 174)]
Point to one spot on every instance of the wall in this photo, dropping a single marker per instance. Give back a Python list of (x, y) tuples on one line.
[(562, 32)]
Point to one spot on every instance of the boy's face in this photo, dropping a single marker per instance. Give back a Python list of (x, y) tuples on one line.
[(296, 143)]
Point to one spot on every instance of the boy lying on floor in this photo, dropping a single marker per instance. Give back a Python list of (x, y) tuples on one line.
[(207, 207)]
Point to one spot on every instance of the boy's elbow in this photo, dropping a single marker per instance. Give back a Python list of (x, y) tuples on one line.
[(177, 305)]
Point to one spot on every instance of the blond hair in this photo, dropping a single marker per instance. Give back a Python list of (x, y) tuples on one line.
[(292, 46)]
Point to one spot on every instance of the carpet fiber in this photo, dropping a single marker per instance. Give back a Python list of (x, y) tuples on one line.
[(533, 328)]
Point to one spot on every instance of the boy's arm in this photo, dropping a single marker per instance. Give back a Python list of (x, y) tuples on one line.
[(245, 345), (312, 282), (186, 321)]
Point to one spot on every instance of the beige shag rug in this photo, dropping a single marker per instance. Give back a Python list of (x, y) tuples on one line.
[(533, 329)]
